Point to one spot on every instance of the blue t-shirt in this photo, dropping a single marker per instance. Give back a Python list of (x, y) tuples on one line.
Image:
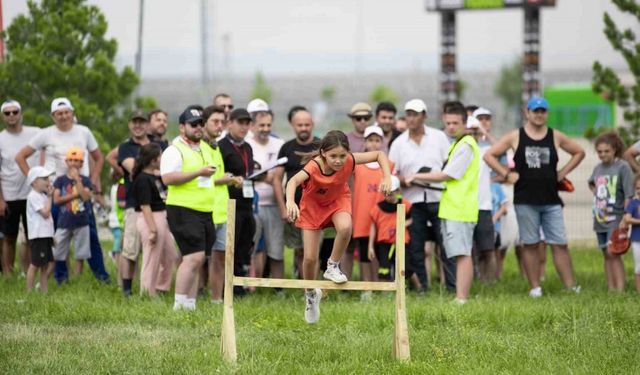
[(497, 199), (75, 213), (633, 209)]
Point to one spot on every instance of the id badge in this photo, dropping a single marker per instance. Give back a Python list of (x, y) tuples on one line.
[(205, 182), (247, 189)]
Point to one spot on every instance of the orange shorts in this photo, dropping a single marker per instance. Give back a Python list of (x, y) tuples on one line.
[(314, 216)]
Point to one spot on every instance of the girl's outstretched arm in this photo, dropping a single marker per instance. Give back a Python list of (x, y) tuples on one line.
[(381, 158), (292, 208)]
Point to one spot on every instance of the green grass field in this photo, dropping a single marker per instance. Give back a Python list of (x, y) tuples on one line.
[(88, 328)]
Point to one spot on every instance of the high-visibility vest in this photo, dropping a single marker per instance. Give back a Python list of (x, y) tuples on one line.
[(197, 194), (459, 200)]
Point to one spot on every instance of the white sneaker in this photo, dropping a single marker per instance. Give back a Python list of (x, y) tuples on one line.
[(334, 274), (312, 309), (459, 301), (576, 289), (535, 292)]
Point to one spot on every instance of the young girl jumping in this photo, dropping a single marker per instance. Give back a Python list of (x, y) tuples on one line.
[(326, 202)]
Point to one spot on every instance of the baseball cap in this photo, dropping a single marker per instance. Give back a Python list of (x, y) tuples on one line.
[(395, 183), (61, 103), (239, 114), (360, 109), (190, 115), (138, 115), (257, 105), (37, 172), (472, 122), (537, 102), (481, 112), (416, 105), (10, 103), (373, 129), (75, 153)]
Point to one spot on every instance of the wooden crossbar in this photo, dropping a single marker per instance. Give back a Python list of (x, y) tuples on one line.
[(310, 284), (400, 348)]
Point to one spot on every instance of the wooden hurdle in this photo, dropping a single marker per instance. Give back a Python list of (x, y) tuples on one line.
[(400, 348)]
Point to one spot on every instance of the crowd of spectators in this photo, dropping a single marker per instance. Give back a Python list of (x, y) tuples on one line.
[(168, 197)]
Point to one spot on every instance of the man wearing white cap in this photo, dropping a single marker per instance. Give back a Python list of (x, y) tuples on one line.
[(419, 149), (55, 141), (269, 237), (14, 188)]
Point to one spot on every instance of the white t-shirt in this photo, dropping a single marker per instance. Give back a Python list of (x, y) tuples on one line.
[(14, 183), (265, 155), (484, 179), (39, 227), (459, 162), (409, 157), (56, 143)]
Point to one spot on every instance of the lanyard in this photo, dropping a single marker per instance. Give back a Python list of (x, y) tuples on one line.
[(244, 155)]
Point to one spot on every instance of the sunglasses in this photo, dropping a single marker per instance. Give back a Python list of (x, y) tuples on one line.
[(228, 106), (196, 124), (78, 160), (9, 113), (361, 118)]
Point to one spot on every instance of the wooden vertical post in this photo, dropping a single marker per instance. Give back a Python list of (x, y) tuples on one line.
[(401, 331), (228, 335)]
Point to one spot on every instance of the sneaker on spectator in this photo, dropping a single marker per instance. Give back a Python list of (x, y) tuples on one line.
[(459, 301), (535, 292), (334, 274), (576, 289), (312, 309)]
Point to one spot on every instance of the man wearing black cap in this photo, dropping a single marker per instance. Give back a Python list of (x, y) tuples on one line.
[(238, 160), (187, 168), (131, 247)]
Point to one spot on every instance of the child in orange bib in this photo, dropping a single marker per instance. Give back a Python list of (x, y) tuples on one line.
[(326, 201)]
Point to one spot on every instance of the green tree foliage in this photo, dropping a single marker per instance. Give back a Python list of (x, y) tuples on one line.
[(383, 93), (261, 89), (328, 93), (59, 49), (607, 83), (509, 85)]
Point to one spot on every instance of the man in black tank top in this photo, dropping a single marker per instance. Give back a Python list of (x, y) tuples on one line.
[(536, 176)]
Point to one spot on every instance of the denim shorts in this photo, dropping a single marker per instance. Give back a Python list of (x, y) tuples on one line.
[(548, 217), (604, 238)]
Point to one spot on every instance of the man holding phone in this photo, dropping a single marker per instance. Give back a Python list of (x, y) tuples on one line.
[(187, 169)]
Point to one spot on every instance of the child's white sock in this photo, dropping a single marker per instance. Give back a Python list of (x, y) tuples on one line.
[(179, 302)]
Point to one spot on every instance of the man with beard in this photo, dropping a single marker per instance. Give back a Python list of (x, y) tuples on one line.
[(158, 126), (187, 169), (269, 224), (302, 125), (214, 120)]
